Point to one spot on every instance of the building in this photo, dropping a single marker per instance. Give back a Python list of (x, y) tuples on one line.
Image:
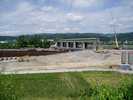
[(77, 43)]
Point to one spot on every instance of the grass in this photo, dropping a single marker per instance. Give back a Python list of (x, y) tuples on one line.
[(67, 86)]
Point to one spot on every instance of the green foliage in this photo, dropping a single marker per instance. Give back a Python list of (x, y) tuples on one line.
[(128, 91), (7, 45), (122, 92), (35, 41), (7, 89), (107, 93), (22, 42), (67, 86), (32, 42)]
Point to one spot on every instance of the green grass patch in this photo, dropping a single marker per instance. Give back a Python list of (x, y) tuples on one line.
[(67, 86)]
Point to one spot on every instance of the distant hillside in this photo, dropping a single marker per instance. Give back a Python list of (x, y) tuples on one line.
[(74, 35), (103, 37), (126, 36), (7, 38)]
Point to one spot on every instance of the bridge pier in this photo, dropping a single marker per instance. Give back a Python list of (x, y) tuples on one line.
[(81, 43)]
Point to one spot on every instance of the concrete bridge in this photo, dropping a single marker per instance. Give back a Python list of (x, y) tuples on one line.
[(77, 43)]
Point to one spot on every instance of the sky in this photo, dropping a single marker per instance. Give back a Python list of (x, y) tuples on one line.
[(65, 16)]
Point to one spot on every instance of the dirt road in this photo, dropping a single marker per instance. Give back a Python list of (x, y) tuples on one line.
[(70, 60)]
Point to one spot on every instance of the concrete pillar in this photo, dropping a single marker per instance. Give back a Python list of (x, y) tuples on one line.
[(74, 45), (83, 45), (67, 45), (123, 57), (94, 46), (61, 44), (56, 44)]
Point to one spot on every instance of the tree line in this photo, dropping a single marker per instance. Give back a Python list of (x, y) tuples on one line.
[(41, 40), (24, 41)]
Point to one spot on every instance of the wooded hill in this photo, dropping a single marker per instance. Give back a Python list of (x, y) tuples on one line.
[(103, 37)]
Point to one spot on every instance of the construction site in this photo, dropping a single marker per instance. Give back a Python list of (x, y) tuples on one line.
[(72, 53)]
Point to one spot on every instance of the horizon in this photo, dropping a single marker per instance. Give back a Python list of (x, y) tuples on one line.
[(61, 34), (65, 16)]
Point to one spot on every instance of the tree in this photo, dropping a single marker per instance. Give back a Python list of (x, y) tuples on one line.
[(34, 41), (22, 42)]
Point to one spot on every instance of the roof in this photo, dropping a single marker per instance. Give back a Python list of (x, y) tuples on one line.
[(77, 39)]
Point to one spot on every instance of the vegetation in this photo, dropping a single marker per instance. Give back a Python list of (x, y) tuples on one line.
[(40, 40), (67, 86), (9, 45), (34, 41), (7, 38)]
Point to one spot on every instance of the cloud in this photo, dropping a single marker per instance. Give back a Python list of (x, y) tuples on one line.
[(74, 17), (48, 8), (24, 7), (87, 3), (84, 3), (31, 18)]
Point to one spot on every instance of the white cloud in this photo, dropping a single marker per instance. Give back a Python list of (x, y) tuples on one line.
[(24, 7), (84, 3), (28, 18), (70, 30), (48, 9), (87, 3), (74, 17)]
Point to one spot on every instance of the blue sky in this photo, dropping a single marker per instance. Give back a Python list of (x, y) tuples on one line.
[(61, 16)]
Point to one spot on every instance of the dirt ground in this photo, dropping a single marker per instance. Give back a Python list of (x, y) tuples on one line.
[(85, 58)]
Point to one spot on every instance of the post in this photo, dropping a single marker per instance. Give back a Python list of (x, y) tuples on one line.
[(83, 45), (97, 44), (61, 44), (67, 45), (56, 44), (74, 44), (126, 43)]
